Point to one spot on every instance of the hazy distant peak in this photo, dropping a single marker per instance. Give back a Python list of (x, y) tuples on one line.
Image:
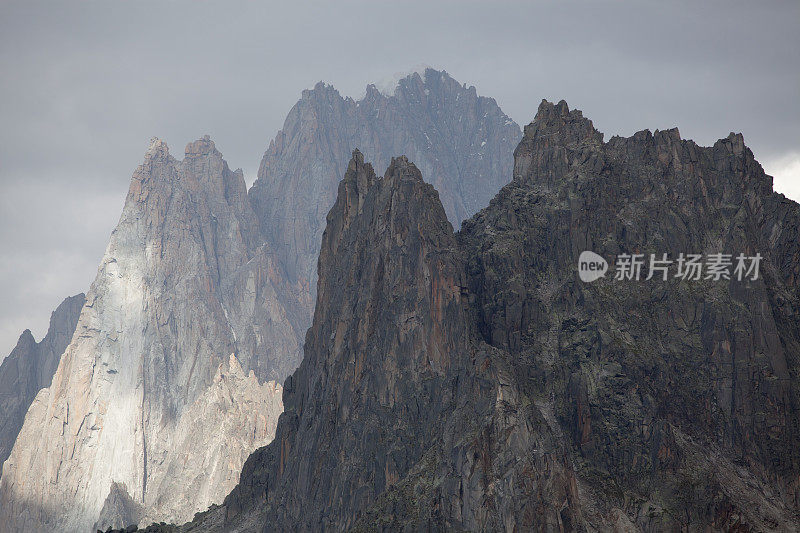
[(388, 86)]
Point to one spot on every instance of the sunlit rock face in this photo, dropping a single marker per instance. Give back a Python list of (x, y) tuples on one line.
[(214, 436), (30, 367), (183, 284), (473, 382)]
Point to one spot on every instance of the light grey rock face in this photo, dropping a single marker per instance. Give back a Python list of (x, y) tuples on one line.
[(216, 434), (119, 509), (136, 399), (461, 142), (30, 367), (235, 409)]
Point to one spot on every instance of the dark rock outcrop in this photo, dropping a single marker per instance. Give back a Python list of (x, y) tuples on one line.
[(679, 398), (471, 381), (30, 368), (381, 360)]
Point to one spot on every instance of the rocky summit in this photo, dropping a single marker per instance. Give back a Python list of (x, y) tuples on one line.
[(471, 381), (461, 141)]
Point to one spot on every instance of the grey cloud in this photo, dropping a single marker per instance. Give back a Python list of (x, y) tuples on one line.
[(85, 85)]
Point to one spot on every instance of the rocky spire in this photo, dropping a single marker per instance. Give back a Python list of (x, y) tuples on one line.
[(549, 142), (358, 178), (389, 330), (30, 368), (184, 283)]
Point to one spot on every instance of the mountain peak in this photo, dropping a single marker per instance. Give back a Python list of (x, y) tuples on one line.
[(548, 141), (388, 327), (166, 309), (352, 191), (201, 147), (25, 339), (320, 90), (461, 142), (30, 367), (569, 125), (157, 149), (401, 168), (389, 86), (547, 108), (736, 143)]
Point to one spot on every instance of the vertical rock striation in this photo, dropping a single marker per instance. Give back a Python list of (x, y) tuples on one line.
[(183, 283), (30, 368), (389, 340)]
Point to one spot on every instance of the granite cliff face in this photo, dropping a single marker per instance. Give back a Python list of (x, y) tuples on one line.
[(461, 142), (471, 381), (235, 409), (30, 368), (184, 283)]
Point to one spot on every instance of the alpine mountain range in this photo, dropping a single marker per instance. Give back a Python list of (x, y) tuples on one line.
[(323, 352)]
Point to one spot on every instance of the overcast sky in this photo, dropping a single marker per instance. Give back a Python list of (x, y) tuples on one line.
[(84, 86)]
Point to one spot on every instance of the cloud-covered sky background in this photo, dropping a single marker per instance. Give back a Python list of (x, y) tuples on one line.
[(85, 85)]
